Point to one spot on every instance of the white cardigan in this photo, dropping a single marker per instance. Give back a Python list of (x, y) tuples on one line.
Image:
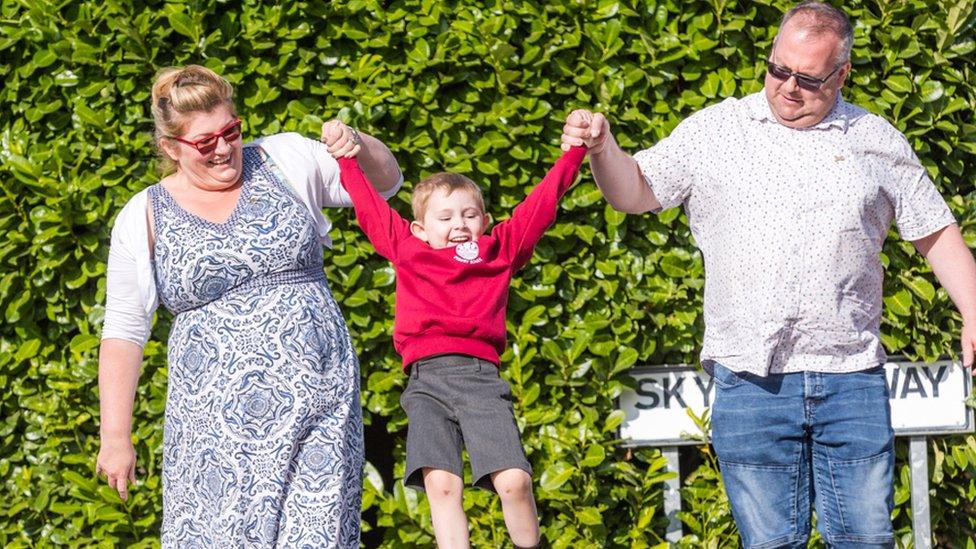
[(130, 287)]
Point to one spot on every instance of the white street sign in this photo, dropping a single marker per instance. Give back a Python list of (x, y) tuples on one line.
[(926, 399)]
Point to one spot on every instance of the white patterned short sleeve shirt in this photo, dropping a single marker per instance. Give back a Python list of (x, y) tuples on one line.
[(790, 223)]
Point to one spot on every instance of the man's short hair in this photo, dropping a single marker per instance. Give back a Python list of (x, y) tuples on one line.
[(820, 18), (447, 181)]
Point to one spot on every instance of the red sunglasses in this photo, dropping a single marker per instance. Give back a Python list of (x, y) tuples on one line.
[(206, 145)]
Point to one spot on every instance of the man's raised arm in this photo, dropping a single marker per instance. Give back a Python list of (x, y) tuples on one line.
[(615, 172)]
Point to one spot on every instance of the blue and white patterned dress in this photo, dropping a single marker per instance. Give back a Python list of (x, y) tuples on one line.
[(263, 440)]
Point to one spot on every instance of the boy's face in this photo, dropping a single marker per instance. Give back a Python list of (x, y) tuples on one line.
[(450, 219)]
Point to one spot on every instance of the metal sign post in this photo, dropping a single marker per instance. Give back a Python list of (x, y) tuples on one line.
[(921, 520), (926, 399), (672, 495)]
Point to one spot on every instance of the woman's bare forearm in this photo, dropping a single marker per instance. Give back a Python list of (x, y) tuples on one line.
[(118, 374)]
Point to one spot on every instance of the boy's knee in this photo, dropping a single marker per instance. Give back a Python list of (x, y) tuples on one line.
[(442, 484), (513, 484)]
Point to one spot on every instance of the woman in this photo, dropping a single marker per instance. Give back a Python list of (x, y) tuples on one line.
[(262, 443)]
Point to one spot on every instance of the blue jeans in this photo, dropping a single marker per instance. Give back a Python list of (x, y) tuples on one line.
[(787, 441)]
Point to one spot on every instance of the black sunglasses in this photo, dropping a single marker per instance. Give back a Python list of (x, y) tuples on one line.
[(805, 81)]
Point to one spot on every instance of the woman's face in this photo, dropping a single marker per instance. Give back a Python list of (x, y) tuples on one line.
[(215, 170)]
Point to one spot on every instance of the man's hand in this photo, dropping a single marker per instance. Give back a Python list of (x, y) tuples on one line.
[(585, 128), (341, 140), (968, 346), (117, 461)]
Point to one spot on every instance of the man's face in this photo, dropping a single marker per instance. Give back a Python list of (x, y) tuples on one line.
[(451, 219), (810, 54)]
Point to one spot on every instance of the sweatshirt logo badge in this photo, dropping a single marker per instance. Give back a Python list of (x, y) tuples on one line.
[(467, 252)]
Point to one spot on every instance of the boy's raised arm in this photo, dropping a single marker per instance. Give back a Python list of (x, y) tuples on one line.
[(532, 217), (382, 224)]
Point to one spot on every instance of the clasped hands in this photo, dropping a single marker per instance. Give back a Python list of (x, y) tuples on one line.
[(342, 140)]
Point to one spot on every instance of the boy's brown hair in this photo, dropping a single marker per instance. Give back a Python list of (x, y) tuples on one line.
[(448, 181)]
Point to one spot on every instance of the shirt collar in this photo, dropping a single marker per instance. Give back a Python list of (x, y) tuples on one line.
[(839, 116)]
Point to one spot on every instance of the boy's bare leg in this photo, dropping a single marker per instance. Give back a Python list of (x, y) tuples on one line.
[(514, 487), (444, 493)]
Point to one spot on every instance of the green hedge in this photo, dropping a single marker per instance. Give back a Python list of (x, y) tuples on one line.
[(476, 87)]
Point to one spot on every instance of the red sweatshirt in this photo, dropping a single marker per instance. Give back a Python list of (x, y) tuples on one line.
[(453, 300)]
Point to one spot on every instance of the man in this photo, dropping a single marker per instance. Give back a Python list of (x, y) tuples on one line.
[(790, 193)]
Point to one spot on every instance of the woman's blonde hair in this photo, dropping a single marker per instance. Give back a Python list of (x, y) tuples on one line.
[(180, 91)]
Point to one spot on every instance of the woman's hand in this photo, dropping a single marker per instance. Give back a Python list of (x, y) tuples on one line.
[(117, 461), (341, 140)]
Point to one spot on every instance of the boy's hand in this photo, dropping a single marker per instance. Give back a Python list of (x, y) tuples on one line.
[(585, 128), (341, 140)]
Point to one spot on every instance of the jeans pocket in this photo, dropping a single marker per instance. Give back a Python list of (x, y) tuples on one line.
[(855, 498), (876, 376), (724, 378), (768, 504)]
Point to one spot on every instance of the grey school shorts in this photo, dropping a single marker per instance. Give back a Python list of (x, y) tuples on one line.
[(455, 401)]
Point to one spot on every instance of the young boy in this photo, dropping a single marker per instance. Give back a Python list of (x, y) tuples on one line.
[(449, 327)]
